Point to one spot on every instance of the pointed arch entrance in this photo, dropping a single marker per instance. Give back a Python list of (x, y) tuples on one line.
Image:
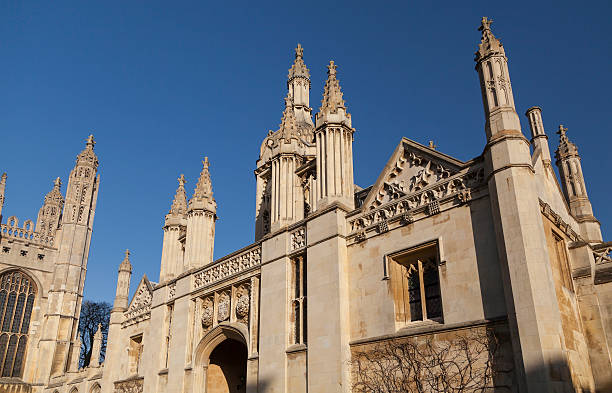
[(221, 360)]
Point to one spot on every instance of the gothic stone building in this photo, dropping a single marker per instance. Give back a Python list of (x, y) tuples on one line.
[(436, 249)]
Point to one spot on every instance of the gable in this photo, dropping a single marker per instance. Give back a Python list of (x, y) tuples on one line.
[(140, 306), (411, 168)]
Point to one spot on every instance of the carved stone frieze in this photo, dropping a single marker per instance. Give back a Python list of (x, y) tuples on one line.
[(171, 290), (134, 385), (228, 267), (559, 222)]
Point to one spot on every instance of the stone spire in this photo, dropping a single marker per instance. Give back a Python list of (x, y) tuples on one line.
[(201, 217), (333, 108), (203, 194), (334, 144), (96, 348), (298, 86), (179, 204), (574, 187), (125, 265), (2, 191), (298, 69), (76, 354), (87, 156), (288, 127), (49, 213), (123, 284), (497, 96), (489, 44)]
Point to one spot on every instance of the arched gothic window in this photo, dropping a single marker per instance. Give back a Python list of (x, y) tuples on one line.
[(17, 293)]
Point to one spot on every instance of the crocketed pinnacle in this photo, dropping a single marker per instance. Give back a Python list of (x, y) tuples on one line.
[(298, 69), (125, 265), (179, 204), (332, 94), (288, 127), (489, 45), (88, 156), (566, 147), (55, 195), (203, 195)]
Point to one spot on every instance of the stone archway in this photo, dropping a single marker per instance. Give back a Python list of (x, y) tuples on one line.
[(221, 360), (227, 368)]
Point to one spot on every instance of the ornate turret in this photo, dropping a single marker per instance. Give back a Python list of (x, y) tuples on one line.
[(574, 187), (49, 213), (334, 139), (175, 224), (298, 84), (2, 192), (539, 139), (201, 217), (492, 67)]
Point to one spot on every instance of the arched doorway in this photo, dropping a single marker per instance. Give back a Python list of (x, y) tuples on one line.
[(227, 368), (221, 360)]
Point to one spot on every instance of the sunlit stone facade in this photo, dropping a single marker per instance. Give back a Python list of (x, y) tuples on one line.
[(435, 249)]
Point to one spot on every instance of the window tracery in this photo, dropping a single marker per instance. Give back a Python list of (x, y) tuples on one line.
[(17, 295)]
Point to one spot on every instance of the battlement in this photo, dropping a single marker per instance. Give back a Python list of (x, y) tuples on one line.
[(25, 234)]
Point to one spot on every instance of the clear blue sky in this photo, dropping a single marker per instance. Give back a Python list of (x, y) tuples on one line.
[(161, 84)]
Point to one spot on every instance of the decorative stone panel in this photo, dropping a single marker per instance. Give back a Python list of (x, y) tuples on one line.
[(229, 267), (298, 239)]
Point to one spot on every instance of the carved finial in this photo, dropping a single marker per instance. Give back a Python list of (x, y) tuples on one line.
[(58, 182), (90, 141), (204, 186), (566, 147), (485, 24), (88, 155), (562, 132), (179, 204), (125, 264), (432, 145), (205, 162), (331, 68), (288, 127), (489, 45), (3, 177), (298, 69), (332, 94)]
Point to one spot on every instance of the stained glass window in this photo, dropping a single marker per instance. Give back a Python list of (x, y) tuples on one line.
[(17, 295)]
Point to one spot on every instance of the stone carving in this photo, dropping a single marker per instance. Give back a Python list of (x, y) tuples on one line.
[(223, 307), (207, 313), (134, 385), (26, 233), (298, 238), (243, 301), (228, 267), (171, 290), (412, 172), (140, 307), (458, 187)]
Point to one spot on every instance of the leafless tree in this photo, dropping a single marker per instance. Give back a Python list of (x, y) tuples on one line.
[(92, 314), (462, 362)]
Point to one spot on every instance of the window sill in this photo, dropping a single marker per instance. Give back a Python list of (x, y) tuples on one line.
[(162, 372), (296, 348)]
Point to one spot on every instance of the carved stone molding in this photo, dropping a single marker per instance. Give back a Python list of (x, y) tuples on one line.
[(133, 385), (140, 307), (228, 267), (559, 222), (171, 290)]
